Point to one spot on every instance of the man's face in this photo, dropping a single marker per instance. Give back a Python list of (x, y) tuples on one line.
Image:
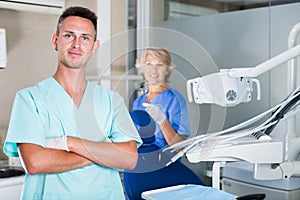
[(75, 43)]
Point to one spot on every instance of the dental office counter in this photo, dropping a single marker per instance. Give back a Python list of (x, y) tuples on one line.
[(11, 188), (11, 181)]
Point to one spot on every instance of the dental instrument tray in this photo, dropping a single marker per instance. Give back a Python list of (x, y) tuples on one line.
[(255, 152)]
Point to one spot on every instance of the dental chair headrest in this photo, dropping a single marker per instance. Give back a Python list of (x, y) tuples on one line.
[(144, 124)]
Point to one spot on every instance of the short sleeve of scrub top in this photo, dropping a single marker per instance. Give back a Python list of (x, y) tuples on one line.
[(25, 125)]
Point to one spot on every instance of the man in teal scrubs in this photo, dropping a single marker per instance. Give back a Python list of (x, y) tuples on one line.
[(72, 135)]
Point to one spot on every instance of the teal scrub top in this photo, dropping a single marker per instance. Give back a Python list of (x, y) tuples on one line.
[(47, 111)]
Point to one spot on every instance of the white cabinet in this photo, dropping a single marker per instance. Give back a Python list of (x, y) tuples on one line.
[(11, 188)]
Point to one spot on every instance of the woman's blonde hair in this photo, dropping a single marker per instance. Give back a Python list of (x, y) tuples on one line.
[(161, 54)]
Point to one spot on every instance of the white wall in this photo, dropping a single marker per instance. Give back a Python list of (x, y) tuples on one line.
[(31, 57)]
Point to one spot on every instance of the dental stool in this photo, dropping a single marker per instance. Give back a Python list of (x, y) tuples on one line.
[(151, 171)]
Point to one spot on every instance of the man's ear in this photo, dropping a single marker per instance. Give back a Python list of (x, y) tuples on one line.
[(96, 45), (54, 41)]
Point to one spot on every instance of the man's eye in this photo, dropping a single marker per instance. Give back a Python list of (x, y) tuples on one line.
[(160, 65), (68, 36), (86, 38)]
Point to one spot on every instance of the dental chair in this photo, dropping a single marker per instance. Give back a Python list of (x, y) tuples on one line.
[(151, 171)]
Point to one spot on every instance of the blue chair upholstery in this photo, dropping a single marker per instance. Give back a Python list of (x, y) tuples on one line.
[(144, 124), (151, 172)]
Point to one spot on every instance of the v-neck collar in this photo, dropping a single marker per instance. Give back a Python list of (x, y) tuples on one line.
[(67, 96), (85, 98), (156, 97)]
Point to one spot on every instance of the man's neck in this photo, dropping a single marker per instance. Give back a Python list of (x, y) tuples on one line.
[(73, 81)]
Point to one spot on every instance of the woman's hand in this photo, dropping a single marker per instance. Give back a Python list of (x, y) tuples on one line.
[(155, 112)]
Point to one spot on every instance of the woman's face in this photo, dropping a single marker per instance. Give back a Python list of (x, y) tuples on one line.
[(154, 70)]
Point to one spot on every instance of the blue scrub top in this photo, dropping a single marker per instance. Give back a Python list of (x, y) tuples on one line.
[(174, 106), (46, 111)]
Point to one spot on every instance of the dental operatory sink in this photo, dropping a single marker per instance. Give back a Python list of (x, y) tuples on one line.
[(7, 172)]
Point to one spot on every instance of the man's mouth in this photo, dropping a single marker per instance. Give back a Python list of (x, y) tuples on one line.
[(74, 54)]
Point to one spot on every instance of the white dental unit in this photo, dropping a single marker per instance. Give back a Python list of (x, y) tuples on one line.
[(268, 163)]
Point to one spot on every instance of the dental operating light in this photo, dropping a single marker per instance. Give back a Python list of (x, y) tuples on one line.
[(230, 87), (221, 89)]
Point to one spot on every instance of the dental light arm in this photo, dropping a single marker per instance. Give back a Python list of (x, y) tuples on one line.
[(267, 65), (230, 87)]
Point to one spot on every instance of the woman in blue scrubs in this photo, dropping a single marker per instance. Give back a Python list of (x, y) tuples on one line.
[(168, 108), (72, 135), (164, 104)]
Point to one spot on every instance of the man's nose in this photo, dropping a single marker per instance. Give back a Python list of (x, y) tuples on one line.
[(76, 43)]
